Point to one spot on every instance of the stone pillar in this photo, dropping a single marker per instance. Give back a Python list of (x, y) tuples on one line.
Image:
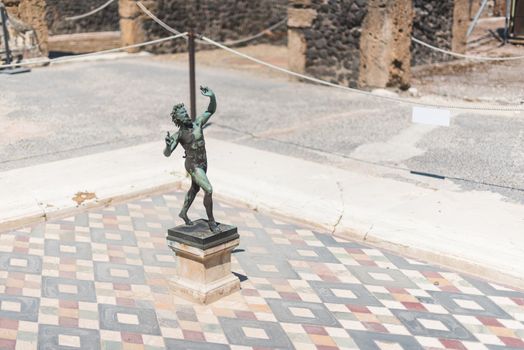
[(31, 12), (300, 17), (385, 55), (131, 23), (460, 26)]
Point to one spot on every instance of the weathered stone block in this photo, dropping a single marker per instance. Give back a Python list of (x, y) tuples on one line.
[(298, 3), (300, 18), (296, 44), (460, 26), (385, 44), (131, 32), (128, 9)]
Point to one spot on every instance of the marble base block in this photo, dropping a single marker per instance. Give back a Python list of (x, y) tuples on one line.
[(203, 261)]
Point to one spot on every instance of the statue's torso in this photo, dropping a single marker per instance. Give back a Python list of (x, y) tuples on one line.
[(192, 140)]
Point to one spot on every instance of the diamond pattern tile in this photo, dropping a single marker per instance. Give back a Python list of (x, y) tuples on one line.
[(99, 280)]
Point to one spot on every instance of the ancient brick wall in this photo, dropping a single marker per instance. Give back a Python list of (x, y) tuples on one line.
[(104, 20), (333, 40), (432, 23), (221, 20)]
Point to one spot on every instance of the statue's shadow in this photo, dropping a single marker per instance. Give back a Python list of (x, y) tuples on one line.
[(241, 277)]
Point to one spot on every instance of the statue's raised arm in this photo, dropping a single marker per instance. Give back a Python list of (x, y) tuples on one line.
[(202, 119)]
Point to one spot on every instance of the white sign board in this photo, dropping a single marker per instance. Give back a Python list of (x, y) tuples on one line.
[(431, 116)]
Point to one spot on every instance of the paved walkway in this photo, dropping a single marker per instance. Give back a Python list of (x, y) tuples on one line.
[(99, 280), (433, 221)]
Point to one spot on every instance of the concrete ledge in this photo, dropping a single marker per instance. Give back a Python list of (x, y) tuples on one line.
[(43, 192), (84, 42), (470, 231)]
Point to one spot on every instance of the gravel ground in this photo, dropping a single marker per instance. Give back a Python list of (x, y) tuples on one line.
[(73, 109)]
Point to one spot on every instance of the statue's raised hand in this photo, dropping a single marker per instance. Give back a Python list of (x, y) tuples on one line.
[(169, 139), (206, 91)]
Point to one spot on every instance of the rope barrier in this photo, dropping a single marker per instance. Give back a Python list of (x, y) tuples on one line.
[(510, 108), (472, 57), (506, 108), (469, 57), (278, 24), (503, 108), (97, 53), (92, 12)]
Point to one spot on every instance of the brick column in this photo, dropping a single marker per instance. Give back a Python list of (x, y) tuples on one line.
[(300, 18), (460, 25), (131, 20), (385, 56)]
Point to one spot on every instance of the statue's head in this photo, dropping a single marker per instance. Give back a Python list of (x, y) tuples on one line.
[(179, 115)]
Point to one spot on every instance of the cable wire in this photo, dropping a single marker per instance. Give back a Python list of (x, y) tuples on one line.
[(92, 12), (469, 57)]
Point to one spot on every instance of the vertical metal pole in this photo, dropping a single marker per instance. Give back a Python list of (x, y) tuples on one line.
[(506, 22), (6, 34), (192, 94)]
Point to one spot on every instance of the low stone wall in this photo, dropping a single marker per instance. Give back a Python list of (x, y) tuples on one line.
[(102, 21)]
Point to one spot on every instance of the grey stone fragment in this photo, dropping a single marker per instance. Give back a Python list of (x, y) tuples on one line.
[(48, 338), (147, 319)]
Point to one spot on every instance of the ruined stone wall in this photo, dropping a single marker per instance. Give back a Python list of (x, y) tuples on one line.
[(104, 20), (368, 42), (432, 23), (441, 23), (221, 20), (333, 40), (351, 42)]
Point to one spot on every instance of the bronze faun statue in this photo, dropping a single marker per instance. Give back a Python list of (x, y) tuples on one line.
[(190, 135)]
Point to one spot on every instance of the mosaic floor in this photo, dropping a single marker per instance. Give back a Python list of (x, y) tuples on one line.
[(98, 281)]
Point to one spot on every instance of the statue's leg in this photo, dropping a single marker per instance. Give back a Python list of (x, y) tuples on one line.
[(190, 197), (201, 179)]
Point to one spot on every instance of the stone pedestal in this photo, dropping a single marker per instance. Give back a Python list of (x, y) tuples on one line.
[(203, 261)]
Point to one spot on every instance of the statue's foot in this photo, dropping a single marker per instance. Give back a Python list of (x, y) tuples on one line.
[(213, 226), (184, 217)]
